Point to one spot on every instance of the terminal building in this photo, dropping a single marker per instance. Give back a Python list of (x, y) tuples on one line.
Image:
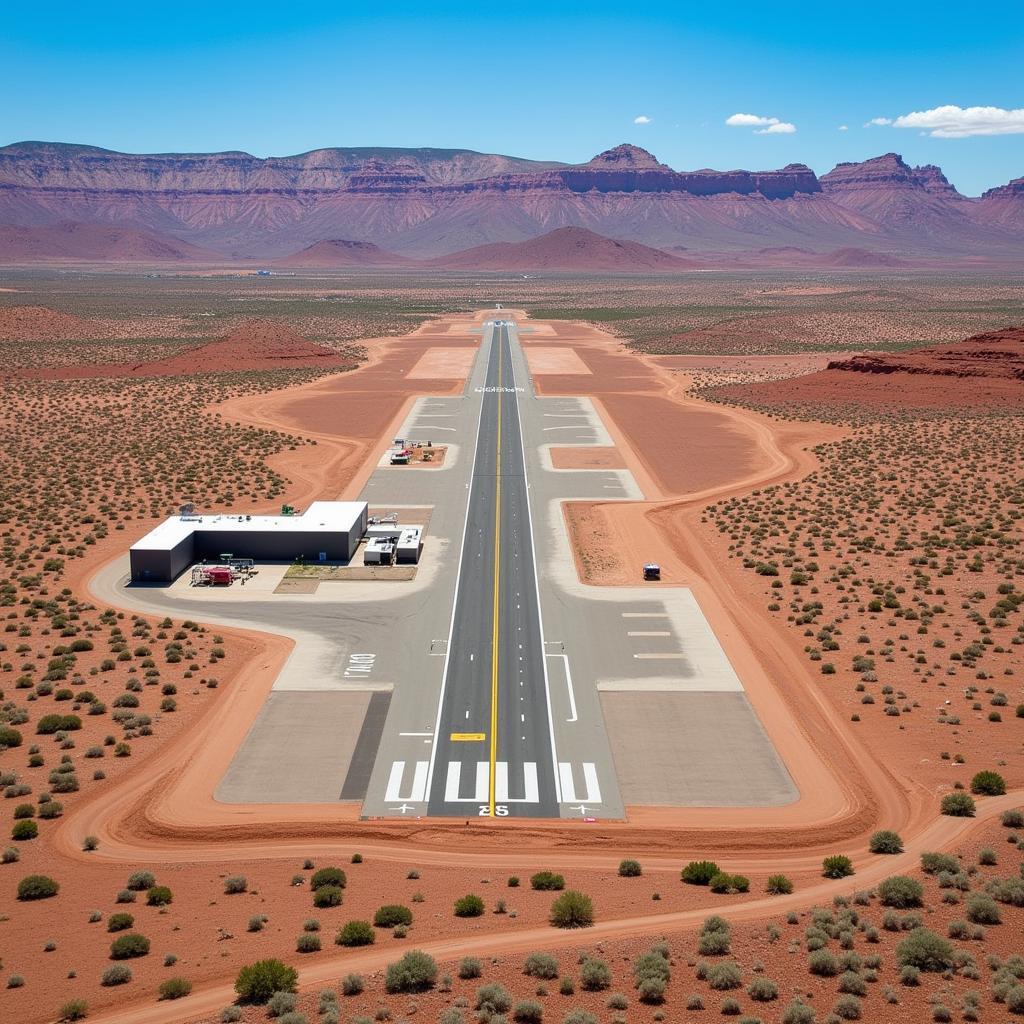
[(328, 531)]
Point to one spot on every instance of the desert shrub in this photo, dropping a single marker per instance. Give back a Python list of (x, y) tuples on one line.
[(139, 881), (493, 998), (987, 856), (572, 910), (847, 1008), (392, 914), (74, 1009), (235, 884), (885, 841), (159, 896), (579, 1016), (125, 947), (49, 724), (723, 977), (119, 974), (24, 830), (415, 972), (958, 805), (352, 985), (547, 881), (308, 942), (174, 988), (328, 896), (258, 981), (651, 990), (328, 876), (595, 976), (837, 866), (699, 872), (280, 1003), (9, 737), (355, 933), (779, 885), (617, 1001), (714, 943), (37, 887), (823, 963), (798, 1012), (120, 922), (1007, 890), (1014, 999), (925, 950), (541, 965), (726, 883), (853, 984), (469, 906), (630, 869), (1013, 818), (470, 967), (933, 863), (763, 990), (983, 910), (988, 783), (900, 892), (528, 1012), (651, 967)]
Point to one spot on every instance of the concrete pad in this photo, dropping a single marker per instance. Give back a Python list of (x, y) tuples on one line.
[(300, 749), (693, 750), (554, 360)]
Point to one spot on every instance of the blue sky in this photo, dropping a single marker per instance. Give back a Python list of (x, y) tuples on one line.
[(554, 80)]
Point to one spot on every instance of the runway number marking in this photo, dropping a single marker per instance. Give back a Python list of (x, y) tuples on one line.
[(360, 665)]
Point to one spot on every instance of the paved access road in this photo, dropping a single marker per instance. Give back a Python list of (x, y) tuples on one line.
[(494, 738)]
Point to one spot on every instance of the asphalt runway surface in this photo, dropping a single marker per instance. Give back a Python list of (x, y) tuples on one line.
[(494, 732)]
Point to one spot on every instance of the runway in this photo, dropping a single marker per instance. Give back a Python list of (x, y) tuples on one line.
[(494, 735)]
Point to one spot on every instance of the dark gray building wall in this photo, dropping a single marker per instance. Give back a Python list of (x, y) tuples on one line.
[(162, 566)]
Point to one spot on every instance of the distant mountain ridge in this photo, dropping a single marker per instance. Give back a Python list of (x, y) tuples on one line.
[(427, 202)]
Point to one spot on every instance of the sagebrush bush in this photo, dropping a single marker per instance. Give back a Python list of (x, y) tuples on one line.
[(630, 869), (886, 841), (356, 933), (572, 910), (392, 914), (699, 872), (541, 965), (415, 972), (547, 881), (174, 988), (900, 892), (125, 947), (257, 982), (37, 887), (925, 950), (469, 906)]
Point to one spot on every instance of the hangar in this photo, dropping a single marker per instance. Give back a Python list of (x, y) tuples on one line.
[(328, 531)]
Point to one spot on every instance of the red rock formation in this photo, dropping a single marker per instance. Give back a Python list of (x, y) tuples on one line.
[(340, 252), (70, 240), (424, 202)]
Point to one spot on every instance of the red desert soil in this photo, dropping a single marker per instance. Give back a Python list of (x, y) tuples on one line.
[(37, 323), (569, 249), (255, 345), (985, 371)]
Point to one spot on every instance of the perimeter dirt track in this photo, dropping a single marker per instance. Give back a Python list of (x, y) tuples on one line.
[(164, 814)]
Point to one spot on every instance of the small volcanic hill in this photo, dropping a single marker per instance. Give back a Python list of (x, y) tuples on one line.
[(39, 323), (985, 371), (342, 252), (254, 345), (570, 249), (73, 240)]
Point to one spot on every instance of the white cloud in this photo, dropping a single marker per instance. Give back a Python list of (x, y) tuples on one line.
[(951, 122), (642, 119), (877, 121), (764, 125), (843, 128)]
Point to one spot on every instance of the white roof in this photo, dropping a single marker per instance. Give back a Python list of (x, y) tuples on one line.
[(332, 516)]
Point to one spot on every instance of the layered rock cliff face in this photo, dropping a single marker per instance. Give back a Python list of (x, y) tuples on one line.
[(427, 202)]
